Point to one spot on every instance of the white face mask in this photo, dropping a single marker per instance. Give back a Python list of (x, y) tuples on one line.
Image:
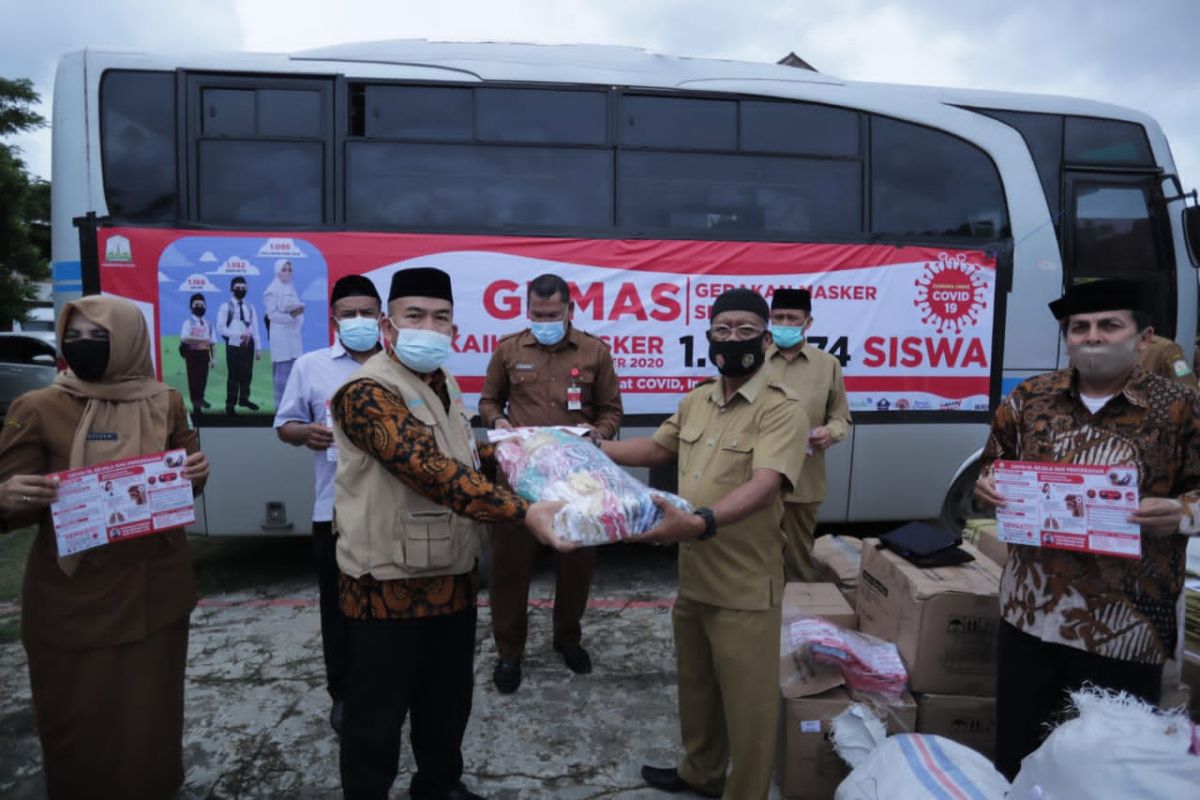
[(1103, 362), (421, 350)]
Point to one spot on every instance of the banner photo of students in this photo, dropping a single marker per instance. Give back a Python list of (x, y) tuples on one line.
[(912, 326)]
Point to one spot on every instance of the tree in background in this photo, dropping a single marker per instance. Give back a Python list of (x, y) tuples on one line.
[(24, 206)]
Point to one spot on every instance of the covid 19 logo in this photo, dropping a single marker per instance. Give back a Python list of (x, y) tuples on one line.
[(950, 293)]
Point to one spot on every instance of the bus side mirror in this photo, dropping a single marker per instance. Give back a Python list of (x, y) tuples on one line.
[(1191, 231)]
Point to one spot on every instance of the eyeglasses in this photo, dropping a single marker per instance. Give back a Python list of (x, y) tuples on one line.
[(722, 333)]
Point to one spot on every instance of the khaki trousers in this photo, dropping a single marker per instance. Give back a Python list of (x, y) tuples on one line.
[(728, 663), (799, 528), (514, 552)]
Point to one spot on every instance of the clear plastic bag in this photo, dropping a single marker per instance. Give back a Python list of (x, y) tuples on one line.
[(604, 502), (868, 665)]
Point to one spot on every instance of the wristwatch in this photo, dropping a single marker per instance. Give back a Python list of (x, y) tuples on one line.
[(710, 523)]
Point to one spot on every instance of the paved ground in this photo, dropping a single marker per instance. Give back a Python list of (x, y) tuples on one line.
[(256, 707)]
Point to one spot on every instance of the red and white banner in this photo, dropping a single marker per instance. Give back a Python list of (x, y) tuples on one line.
[(911, 325)]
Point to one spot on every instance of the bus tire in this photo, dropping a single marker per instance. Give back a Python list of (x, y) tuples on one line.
[(959, 504)]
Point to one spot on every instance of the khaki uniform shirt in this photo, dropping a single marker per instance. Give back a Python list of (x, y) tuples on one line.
[(719, 445), (1165, 358), (527, 383), (816, 378)]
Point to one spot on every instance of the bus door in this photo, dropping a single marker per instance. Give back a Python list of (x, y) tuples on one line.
[(1116, 227)]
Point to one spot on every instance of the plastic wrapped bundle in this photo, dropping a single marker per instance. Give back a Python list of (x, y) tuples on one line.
[(604, 503), (868, 664)]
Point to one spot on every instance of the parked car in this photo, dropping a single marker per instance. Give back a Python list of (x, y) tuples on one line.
[(39, 321), (27, 362)]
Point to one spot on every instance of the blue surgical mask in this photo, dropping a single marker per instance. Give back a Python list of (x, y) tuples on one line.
[(421, 350), (787, 336), (549, 333), (359, 334)]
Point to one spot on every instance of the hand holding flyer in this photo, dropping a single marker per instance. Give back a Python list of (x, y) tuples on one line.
[(1069, 507), (122, 499)]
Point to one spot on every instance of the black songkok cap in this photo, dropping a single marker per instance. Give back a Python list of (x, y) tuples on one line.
[(353, 286), (798, 299), (1103, 295), (740, 300), (421, 282)]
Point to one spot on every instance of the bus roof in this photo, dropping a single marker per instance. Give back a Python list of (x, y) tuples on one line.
[(607, 65)]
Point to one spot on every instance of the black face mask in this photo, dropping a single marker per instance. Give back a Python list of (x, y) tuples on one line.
[(239, 292), (741, 357), (199, 310), (87, 358)]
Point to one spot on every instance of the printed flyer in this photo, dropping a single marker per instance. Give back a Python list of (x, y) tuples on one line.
[(121, 499), (1069, 507)]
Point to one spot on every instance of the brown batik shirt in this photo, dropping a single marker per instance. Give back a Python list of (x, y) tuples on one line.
[(1114, 607), (378, 422)]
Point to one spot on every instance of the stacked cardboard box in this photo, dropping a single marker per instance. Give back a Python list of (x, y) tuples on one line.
[(944, 620), (808, 768), (984, 535), (840, 559), (970, 721)]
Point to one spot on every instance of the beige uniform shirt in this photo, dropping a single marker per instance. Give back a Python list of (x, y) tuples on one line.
[(719, 445), (528, 383), (1165, 358), (816, 378)]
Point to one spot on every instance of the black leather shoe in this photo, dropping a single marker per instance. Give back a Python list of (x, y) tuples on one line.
[(249, 405), (229, 409), (576, 659), (507, 676), (205, 404), (666, 779), (337, 715)]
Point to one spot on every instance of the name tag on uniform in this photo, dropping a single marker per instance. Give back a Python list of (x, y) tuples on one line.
[(574, 398), (523, 366), (101, 437)]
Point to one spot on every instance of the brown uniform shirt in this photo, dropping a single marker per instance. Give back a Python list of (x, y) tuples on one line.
[(527, 383), (816, 378), (1165, 358), (719, 445), (122, 592)]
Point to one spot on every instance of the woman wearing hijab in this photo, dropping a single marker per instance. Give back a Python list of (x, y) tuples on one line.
[(105, 630), (285, 316)]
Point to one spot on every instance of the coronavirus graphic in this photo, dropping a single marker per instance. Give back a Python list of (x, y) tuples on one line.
[(950, 294)]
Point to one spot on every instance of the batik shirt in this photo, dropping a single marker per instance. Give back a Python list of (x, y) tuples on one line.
[(1114, 607), (378, 422)]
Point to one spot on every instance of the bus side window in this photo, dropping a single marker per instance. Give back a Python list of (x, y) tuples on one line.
[(137, 145), (928, 183)]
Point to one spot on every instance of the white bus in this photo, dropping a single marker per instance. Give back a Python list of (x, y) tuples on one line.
[(933, 226)]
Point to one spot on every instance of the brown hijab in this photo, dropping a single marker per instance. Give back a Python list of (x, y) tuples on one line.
[(127, 401)]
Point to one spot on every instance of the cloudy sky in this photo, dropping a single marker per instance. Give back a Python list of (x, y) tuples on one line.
[(1141, 54)]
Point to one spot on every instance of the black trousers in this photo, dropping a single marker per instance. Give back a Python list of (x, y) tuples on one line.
[(197, 375), (335, 639), (423, 668), (1034, 679), (239, 364)]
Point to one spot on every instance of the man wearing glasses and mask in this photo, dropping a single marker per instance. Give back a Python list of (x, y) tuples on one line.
[(739, 443), (551, 373)]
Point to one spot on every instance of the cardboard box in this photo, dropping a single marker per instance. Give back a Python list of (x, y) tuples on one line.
[(840, 558), (970, 721), (983, 534), (823, 600), (806, 766), (810, 600), (944, 620)]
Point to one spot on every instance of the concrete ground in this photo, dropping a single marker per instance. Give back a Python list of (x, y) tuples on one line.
[(256, 708)]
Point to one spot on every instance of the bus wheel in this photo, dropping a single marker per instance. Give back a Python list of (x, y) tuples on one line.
[(959, 505)]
